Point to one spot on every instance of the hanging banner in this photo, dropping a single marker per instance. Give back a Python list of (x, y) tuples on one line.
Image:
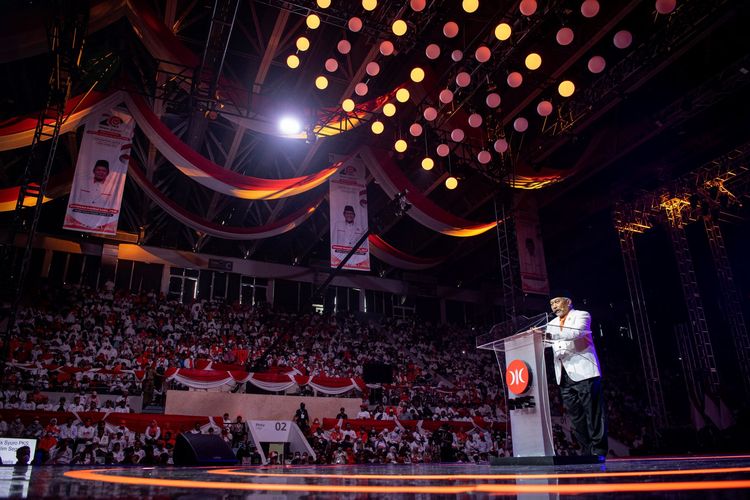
[(96, 194), (348, 201), (530, 248)]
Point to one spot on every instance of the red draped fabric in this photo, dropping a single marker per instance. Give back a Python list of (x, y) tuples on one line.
[(280, 226), (208, 173), (58, 185), (18, 132), (392, 180), (136, 422), (392, 256)]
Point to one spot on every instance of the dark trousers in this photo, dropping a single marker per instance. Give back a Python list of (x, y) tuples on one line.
[(584, 404)]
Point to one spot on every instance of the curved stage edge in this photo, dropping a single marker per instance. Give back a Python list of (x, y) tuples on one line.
[(727, 476)]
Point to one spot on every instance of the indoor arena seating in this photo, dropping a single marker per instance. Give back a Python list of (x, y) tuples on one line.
[(78, 341)]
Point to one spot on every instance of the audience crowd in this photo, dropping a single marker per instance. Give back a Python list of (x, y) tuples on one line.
[(437, 375)]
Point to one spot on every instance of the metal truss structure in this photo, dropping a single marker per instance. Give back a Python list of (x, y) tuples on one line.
[(703, 194), (643, 333), (66, 34)]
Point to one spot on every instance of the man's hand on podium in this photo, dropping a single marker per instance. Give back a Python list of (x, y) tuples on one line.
[(543, 332)]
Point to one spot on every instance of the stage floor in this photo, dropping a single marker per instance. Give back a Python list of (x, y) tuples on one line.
[(673, 477)]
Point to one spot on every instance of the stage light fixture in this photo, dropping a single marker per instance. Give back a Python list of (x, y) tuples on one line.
[(503, 31), (321, 82), (533, 61), (470, 6), (313, 21), (292, 61), (303, 44), (566, 88), (399, 27), (289, 125)]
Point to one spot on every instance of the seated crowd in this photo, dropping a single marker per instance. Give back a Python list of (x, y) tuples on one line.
[(438, 374)]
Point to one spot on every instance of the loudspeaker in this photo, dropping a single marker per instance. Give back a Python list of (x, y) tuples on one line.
[(377, 373), (202, 449)]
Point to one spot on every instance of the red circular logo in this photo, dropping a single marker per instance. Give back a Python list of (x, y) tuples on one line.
[(518, 376)]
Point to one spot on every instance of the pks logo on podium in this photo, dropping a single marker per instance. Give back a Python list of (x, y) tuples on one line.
[(518, 376)]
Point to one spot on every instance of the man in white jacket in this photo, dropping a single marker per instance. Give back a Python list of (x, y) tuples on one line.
[(578, 373)]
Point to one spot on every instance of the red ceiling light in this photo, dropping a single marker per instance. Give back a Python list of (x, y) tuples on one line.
[(665, 7), (445, 96), (387, 48), (623, 39), (590, 8), (418, 5), (463, 79), (501, 146), (515, 79), (432, 51), (450, 29), (372, 68), (483, 54), (527, 7), (355, 24), (475, 120), (544, 108), (331, 65), (344, 47), (597, 64), (361, 89), (564, 36)]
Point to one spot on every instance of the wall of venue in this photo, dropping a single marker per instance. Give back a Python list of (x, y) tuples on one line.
[(185, 276)]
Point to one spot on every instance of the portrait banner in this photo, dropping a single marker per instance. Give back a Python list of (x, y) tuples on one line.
[(101, 169), (348, 202), (530, 247)]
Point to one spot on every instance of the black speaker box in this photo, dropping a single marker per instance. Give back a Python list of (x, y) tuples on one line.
[(202, 449), (377, 373)]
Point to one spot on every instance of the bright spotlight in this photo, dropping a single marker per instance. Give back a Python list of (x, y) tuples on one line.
[(290, 126)]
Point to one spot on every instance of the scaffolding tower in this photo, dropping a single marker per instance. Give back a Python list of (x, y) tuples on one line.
[(65, 32), (732, 307), (705, 193), (642, 325), (675, 208)]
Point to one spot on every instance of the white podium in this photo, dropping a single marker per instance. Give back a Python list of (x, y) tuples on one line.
[(519, 349), (520, 358)]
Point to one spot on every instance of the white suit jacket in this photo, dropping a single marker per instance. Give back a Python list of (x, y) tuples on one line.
[(573, 346)]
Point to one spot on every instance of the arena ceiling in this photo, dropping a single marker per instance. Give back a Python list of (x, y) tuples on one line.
[(656, 94)]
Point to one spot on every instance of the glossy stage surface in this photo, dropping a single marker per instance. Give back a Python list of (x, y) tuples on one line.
[(671, 477)]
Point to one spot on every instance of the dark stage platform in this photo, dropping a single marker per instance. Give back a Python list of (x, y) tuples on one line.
[(710, 476)]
